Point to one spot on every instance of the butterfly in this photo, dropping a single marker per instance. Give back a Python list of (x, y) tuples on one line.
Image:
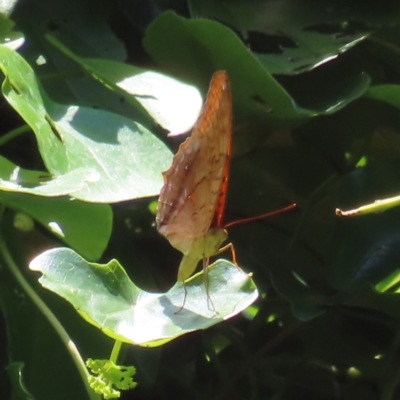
[(192, 201)]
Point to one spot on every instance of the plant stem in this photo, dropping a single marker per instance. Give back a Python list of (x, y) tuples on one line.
[(115, 351), (48, 314), (14, 133)]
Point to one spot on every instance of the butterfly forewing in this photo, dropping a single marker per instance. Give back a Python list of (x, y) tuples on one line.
[(194, 193)]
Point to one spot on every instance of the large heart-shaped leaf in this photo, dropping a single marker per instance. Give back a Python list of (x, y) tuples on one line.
[(106, 297)]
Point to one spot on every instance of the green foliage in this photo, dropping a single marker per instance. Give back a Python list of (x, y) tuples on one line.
[(15, 373), (109, 375), (89, 89), (106, 297), (84, 142)]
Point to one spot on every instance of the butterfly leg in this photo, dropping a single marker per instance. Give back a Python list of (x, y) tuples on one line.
[(230, 247), (207, 283), (184, 300)]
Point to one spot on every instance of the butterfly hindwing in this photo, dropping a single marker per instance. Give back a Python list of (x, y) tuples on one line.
[(193, 197)]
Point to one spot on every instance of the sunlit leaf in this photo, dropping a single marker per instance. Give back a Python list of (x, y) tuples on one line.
[(115, 158), (106, 297)]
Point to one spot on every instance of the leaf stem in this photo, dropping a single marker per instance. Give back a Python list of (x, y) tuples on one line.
[(14, 133), (48, 314), (115, 351)]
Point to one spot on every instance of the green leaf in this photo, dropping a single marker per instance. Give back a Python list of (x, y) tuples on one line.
[(124, 160), (19, 180), (83, 226), (105, 296), (194, 49), (86, 227), (15, 372), (389, 94), (293, 37), (8, 33), (172, 104), (86, 25), (121, 160)]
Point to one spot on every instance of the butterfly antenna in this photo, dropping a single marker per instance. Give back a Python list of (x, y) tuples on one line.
[(262, 216)]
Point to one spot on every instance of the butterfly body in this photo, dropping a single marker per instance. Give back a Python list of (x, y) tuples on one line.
[(192, 201)]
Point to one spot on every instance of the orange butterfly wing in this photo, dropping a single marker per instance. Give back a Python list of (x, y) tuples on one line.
[(193, 197)]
